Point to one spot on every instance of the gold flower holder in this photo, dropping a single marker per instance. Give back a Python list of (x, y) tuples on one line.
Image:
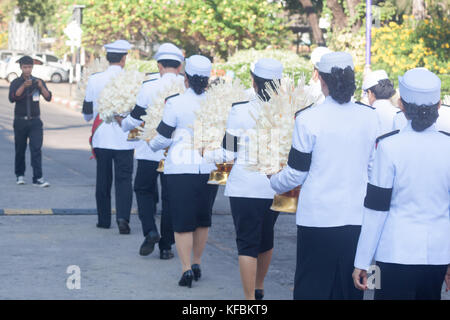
[(220, 176), (286, 202), (134, 133), (161, 162)]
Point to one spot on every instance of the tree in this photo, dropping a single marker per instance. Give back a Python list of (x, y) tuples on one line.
[(418, 9), (313, 20)]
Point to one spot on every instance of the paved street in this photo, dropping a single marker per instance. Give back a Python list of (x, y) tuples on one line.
[(35, 250)]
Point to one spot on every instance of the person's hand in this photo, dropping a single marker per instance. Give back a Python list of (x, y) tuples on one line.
[(359, 275), (119, 120), (447, 279), (40, 84), (27, 83)]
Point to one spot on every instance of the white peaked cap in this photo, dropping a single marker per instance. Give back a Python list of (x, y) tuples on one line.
[(267, 68), (119, 46), (317, 53), (198, 65), (373, 78), (169, 51), (335, 59), (420, 86)]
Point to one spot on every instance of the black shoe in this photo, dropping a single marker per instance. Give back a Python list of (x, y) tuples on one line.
[(197, 272), (148, 245), (123, 226), (166, 254), (186, 279), (259, 294), (101, 226)]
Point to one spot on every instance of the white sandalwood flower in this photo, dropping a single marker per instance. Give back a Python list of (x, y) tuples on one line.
[(272, 138), (446, 100), (155, 112), (119, 95), (98, 65), (211, 117)]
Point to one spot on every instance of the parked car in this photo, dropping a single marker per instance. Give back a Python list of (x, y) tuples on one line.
[(53, 60), (41, 69)]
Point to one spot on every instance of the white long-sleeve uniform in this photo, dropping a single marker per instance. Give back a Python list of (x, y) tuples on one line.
[(176, 131), (386, 113), (331, 150), (407, 206), (243, 182), (149, 91), (108, 135)]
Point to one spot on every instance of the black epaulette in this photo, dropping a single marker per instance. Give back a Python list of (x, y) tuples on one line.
[(298, 112), (386, 135), (170, 97), (365, 105), (149, 73), (446, 133), (399, 111), (149, 80), (240, 102), (445, 105)]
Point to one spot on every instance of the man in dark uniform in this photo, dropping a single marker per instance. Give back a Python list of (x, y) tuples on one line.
[(25, 92)]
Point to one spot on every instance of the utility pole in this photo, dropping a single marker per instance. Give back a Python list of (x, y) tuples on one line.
[(77, 16)]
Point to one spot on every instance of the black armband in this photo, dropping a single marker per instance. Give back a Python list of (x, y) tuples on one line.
[(300, 161), (230, 142), (88, 107), (378, 198), (138, 112), (165, 130)]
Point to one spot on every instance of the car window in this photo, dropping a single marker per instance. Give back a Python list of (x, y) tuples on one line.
[(52, 58)]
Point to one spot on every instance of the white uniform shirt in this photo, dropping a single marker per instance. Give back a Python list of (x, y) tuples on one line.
[(149, 91), (386, 113), (331, 150), (107, 135), (442, 122), (407, 207), (243, 182), (176, 131)]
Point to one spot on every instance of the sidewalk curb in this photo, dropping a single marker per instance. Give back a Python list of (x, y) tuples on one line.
[(70, 104)]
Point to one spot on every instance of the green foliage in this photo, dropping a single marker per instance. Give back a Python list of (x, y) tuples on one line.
[(239, 63), (35, 11), (212, 27), (141, 65)]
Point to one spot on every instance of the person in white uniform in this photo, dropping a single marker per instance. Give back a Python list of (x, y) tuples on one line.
[(406, 225), (330, 155), (110, 145), (314, 85), (191, 198), (250, 192), (379, 90), (169, 59), (442, 123)]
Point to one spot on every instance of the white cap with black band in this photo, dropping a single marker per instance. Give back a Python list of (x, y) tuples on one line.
[(267, 68), (332, 60), (119, 46), (198, 65)]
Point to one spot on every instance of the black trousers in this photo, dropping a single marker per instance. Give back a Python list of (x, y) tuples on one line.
[(24, 131), (146, 190), (410, 282), (325, 258), (123, 171)]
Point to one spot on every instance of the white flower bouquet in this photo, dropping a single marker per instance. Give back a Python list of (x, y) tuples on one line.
[(275, 121), (446, 100), (98, 65), (155, 112), (119, 95), (211, 117)]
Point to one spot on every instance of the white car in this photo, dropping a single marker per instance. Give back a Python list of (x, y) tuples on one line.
[(41, 69)]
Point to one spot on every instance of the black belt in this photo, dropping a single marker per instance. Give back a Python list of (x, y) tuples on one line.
[(27, 118)]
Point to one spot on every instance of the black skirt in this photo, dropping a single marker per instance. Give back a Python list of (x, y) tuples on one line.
[(325, 259), (254, 223), (191, 200), (410, 282)]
